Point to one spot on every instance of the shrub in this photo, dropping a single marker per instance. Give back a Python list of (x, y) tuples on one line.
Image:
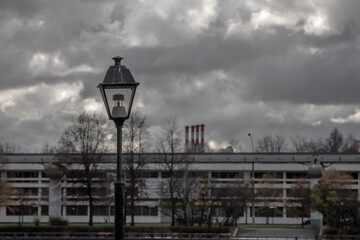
[(36, 221), (58, 221)]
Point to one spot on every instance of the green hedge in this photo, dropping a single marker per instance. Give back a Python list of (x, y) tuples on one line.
[(58, 221), (330, 231)]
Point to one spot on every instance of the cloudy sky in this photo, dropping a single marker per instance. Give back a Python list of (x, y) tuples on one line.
[(265, 67)]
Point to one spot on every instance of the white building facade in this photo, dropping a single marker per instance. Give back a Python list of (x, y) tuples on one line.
[(26, 172)]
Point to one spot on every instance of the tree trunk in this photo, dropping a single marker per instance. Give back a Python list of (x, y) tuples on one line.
[(132, 197), (173, 210), (302, 217), (246, 213), (132, 205), (210, 215), (89, 193), (91, 206), (173, 201)]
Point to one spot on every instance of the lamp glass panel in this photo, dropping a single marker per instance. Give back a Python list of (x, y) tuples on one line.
[(119, 100)]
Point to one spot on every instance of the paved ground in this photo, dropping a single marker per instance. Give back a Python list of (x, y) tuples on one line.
[(276, 233)]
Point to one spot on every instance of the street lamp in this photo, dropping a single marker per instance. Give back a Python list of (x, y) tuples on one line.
[(118, 91), (252, 142), (252, 181)]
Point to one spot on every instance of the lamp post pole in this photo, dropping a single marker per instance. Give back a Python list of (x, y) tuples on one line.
[(118, 91), (119, 187), (252, 182), (252, 142)]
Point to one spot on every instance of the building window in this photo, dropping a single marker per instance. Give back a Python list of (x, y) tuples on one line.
[(268, 212), (149, 174), (222, 212), (270, 192), (174, 174), (144, 211), (99, 192), (149, 211), (22, 174), (227, 175), (354, 175), (101, 210), (268, 175), (74, 174), (44, 192), (76, 192), (295, 212), (76, 210), (223, 192), (203, 175), (23, 210), (28, 192), (296, 175), (44, 210)]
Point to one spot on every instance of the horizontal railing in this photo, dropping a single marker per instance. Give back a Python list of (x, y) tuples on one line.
[(108, 235)]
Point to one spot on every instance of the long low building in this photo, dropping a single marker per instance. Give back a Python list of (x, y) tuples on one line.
[(36, 196)]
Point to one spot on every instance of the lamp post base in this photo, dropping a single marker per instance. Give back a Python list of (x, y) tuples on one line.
[(119, 210)]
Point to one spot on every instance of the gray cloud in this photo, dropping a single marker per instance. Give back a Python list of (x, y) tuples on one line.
[(263, 67)]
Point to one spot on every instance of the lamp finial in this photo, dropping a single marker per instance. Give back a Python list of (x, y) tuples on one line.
[(117, 60)]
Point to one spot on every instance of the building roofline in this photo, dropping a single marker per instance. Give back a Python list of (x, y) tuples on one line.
[(301, 158)]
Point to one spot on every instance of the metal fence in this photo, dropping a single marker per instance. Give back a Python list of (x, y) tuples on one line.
[(340, 237), (108, 236), (274, 238), (147, 236)]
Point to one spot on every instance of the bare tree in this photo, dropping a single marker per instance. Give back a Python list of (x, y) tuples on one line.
[(246, 195), (302, 145), (186, 195), (299, 144), (350, 144), (234, 198), (280, 143), (265, 144), (269, 195), (335, 141), (214, 201), (271, 144), (201, 205), (299, 195), (47, 148), (9, 147), (135, 141), (6, 190), (87, 136), (174, 166)]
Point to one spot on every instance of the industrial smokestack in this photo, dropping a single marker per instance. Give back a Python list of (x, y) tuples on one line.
[(186, 138), (202, 148), (192, 138), (197, 143), (197, 138)]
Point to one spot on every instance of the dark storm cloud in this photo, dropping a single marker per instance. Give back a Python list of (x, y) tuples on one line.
[(238, 66), (330, 76), (21, 8)]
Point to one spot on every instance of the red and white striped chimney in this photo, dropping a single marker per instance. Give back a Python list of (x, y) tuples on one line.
[(197, 138), (192, 138), (202, 148), (186, 138)]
